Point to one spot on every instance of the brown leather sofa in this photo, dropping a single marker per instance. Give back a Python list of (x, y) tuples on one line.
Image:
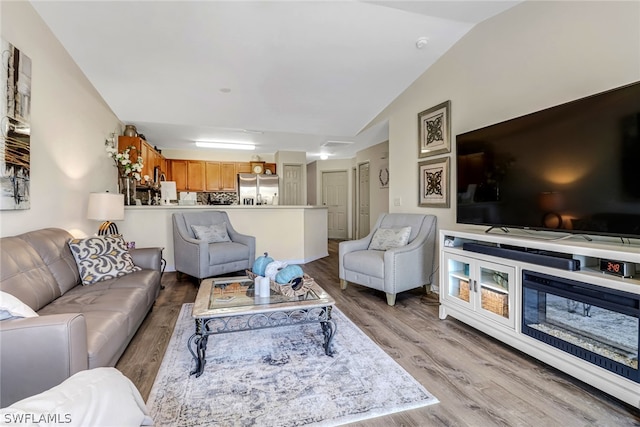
[(78, 327)]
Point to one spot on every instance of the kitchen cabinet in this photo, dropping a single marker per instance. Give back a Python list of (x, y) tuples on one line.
[(189, 175), (220, 176), (270, 167), (228, 177), (150, 157), (243, 167)]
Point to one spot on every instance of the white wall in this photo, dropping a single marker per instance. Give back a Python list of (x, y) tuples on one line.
[(531, 57), (69, 125)]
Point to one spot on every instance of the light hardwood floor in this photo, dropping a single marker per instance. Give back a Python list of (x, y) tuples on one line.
[(478, 380)]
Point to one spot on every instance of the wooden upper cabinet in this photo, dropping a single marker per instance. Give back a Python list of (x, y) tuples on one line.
[(150, 157), (220, 176), (178, 173), (212, 173), (271, 167), (228, 177), (189, 175), (195, 175), (243, 167)]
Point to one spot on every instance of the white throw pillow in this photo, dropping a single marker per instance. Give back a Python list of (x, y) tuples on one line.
[(102, 257), (11, 306), (389, 238), (215, 233)]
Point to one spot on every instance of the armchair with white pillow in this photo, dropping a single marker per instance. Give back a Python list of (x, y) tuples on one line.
[(396, 256), (205, 244)]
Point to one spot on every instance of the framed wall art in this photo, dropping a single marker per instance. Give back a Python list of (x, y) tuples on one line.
[(383, 176), (434, 183), (15, 128), (434, 130)]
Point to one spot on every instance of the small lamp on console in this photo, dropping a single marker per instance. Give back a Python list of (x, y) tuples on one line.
[(106, 207)]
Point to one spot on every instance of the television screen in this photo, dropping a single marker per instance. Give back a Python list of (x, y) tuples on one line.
[(574, 168)]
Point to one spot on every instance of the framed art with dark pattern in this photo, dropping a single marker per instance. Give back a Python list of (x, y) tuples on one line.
[(434, 183), (434, 130)]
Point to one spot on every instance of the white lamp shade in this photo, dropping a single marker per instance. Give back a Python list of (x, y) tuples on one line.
[(106, 206)]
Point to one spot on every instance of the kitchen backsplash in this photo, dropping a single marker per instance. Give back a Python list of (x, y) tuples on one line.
[(210, 198), (218, 198)]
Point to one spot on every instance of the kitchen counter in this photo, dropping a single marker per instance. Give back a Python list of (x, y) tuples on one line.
[(296, 234)]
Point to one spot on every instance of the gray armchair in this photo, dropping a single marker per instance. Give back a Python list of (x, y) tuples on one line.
[(393, 270), (201, 259)]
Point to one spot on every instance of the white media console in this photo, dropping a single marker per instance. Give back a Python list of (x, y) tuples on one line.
[(529, 292)]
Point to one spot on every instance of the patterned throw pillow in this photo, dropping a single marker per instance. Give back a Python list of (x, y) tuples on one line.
[(215, 233), (101, 257), (389, 238)]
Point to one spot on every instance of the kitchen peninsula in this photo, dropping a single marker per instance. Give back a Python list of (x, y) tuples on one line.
[(296, 234)]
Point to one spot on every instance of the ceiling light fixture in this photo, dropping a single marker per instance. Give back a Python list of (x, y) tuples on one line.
[(324, 156), (422, 42), (229, 145)]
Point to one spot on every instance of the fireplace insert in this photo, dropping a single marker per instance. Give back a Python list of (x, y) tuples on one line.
[(596, 324)]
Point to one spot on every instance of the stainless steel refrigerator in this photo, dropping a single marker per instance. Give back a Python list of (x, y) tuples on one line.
[(256, 189)]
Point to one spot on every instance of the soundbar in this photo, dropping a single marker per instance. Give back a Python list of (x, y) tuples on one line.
[(554, 261)]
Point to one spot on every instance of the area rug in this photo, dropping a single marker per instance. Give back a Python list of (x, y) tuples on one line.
[(280, 377)]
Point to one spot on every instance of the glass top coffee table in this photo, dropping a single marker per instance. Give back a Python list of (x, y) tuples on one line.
[(228, 304)]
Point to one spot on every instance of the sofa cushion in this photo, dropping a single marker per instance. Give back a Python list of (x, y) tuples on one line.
[(226, 252), (101, 258), (215, 233), (370, 263), (24, 275), (11, 306), (388, 238), (51, 245)]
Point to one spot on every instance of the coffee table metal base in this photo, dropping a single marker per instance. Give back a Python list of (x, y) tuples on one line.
[(206, 327)]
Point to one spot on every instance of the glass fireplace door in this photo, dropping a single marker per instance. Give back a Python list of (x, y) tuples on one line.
[(599, 325)]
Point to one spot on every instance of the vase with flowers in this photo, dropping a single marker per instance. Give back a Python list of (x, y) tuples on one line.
[(128, 171)]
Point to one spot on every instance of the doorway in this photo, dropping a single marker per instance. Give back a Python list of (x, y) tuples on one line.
[(292, 185), (363, 200), (335, 198)]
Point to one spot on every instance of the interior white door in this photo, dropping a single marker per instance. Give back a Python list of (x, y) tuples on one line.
[(335, 197), (363, 200), (292, 185)]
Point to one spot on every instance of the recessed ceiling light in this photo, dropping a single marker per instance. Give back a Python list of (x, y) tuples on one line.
[(229, 145), (422, 42), (324, 156), (225, 90)]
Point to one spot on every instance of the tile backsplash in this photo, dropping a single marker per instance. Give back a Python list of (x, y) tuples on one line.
[(218, 198)]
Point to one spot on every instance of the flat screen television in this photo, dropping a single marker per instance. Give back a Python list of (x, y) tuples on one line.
[(573, 168)]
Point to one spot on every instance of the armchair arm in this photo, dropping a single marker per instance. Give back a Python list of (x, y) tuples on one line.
[(38, 353), (411, 266), (147, 258), (246, 240)]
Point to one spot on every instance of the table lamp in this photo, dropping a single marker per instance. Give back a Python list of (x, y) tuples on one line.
[(106, 207)]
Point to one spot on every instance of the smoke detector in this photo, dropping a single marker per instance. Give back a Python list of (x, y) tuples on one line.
[(422, 42)]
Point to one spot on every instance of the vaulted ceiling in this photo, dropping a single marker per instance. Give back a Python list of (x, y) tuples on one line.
[(286, 75)]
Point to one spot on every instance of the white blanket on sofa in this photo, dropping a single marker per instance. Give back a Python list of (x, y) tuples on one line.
[(100, 397)]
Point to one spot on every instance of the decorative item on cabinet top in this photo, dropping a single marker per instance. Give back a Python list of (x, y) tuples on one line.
[(130, 130)]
